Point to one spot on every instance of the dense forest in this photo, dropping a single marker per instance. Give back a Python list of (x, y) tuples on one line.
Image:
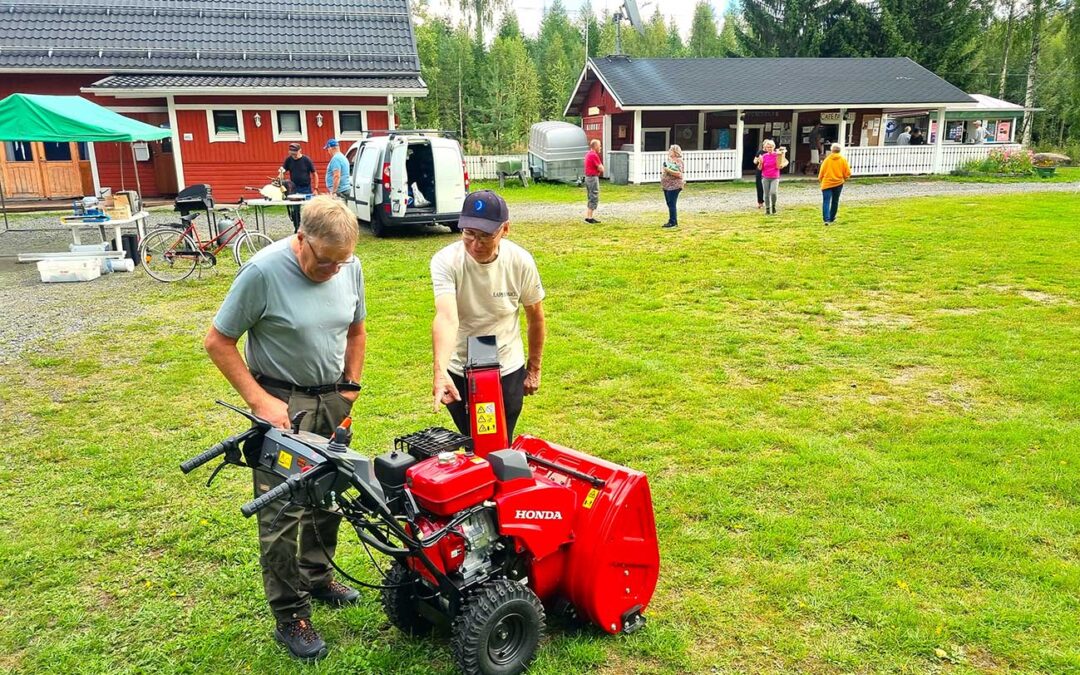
[(490, 82)]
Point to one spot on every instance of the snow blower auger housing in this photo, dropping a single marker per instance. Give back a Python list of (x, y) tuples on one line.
[(483, 536)]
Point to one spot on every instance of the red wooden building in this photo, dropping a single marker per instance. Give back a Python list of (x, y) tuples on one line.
[(236, 81)]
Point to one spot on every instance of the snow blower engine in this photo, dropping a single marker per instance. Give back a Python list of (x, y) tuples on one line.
[(484, 536)]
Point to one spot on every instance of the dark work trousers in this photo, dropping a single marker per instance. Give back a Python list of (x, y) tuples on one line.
[(760, 188), (830, 202), (292, 560), (513, 389), (294, 211), (672, 199)]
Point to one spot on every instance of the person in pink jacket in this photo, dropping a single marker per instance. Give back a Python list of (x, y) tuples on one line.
[(770, 162)]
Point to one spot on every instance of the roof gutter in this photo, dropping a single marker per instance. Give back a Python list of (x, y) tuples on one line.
[(158, 92)]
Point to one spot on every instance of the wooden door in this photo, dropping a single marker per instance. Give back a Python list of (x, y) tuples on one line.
[(60, 169), (161, 156), (22, 175)]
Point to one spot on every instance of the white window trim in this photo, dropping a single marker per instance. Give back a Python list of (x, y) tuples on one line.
[(350, 135), (656, 130), (225, 138), (279, 136)]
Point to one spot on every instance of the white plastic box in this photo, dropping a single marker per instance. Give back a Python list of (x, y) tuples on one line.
[(71, 269)]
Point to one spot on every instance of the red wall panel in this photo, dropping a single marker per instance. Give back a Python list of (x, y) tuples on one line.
[(599, 97)]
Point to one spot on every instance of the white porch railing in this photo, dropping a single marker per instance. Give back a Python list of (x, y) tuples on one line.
[(919, 159), (482, 167), (954, 155), (699, 165)]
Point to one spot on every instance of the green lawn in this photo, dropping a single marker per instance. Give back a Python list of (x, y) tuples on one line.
[(862, 442)]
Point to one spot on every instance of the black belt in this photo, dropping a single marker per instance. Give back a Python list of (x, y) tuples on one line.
[(316, 390)]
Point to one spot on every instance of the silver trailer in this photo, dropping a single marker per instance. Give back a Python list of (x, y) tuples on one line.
[(557, 152)]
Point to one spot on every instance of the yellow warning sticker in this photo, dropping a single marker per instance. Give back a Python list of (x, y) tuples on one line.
[(284, 459), (485, 418), (590, 498), (478, 460)]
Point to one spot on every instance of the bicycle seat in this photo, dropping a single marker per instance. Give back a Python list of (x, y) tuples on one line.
[(189, 218)]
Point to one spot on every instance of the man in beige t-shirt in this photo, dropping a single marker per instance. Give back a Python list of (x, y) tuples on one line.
[(480, 283)]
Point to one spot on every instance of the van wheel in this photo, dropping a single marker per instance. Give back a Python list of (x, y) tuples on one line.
[(378, 227), (454, 227)]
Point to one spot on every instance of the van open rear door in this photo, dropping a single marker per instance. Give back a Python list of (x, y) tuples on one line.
[(399, 194), (449, 175)]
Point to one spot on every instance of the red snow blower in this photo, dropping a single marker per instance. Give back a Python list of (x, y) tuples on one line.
[(483, 536)]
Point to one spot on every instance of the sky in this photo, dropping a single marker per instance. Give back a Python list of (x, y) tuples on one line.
[(529, 12)]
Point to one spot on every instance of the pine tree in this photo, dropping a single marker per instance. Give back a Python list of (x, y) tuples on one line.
[(939, 35), (704, 37), (780, 28)]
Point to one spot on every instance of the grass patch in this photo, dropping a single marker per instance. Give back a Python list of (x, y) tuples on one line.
[(862, 442)]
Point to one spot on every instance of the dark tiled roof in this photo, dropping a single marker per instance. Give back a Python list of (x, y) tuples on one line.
[(192, 36), (179, 82), (748, 82)]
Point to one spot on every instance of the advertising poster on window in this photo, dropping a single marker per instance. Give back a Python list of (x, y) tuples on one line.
[(1004, 131), (956, 132)]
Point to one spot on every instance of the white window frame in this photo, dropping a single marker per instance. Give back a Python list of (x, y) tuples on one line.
[(656, 130), (215, 137), (289, 135), (350, 135)]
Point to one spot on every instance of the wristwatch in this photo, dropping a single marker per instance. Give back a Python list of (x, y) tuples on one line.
[(349, 385)]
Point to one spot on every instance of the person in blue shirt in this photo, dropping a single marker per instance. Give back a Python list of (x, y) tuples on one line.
[(337, 171)]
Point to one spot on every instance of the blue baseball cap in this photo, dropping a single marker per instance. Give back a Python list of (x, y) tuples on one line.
[(483, 210), (332, 143)]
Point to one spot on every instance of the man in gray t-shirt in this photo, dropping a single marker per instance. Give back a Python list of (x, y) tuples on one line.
[(300, 302)]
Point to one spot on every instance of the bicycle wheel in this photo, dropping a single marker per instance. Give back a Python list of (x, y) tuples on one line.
[(248, 244), (169, 255)]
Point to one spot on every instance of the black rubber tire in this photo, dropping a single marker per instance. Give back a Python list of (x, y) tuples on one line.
[(378, 226), (454, 227), (169, 255), (400, 603), (498, 629), (248, 245)]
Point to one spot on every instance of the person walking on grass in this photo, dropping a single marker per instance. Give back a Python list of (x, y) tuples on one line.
[(757, 176), (771, 161), (672, 183), (832, 174), (594, 168), (301, 304)]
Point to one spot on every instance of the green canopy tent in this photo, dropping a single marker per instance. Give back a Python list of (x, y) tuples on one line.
[(67, 119)]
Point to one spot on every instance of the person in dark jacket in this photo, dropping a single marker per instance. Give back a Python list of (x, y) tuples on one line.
[(917, 137)]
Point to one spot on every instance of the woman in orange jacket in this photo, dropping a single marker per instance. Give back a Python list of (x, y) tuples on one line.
[(832, 174)]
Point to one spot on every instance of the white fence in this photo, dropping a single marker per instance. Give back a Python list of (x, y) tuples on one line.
[(482, 167), (698, 165), (919, 159), (724, 164)]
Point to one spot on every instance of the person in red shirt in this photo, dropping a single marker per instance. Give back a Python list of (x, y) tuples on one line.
[(594, 168)]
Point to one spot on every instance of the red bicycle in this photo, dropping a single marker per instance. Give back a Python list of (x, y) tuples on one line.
[(173, 251)]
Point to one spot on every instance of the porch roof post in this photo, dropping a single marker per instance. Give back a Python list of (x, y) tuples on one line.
[(939, 145), (178, 160), (638, 141), (738, 142), (701, 130), (794, 141), (841, 134)]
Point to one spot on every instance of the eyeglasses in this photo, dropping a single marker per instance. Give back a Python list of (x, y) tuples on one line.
[(328, 264), (470, 234)]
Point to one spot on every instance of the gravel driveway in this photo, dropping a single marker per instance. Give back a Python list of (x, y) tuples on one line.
[(32, 313)]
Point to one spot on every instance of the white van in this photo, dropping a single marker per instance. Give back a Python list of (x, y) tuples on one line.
[(407, 178)]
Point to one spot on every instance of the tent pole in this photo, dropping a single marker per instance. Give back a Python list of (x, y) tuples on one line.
[(3, 201), (135, 163), (121, 166)]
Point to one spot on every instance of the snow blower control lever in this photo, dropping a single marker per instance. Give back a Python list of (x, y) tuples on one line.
[(483, 534)]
